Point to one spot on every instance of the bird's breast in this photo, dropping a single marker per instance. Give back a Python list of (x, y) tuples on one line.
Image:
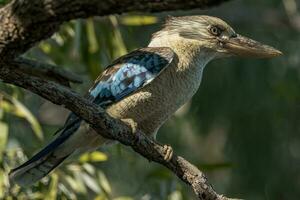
[(152, 105)]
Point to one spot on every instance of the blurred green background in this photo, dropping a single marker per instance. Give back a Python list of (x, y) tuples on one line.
[(242, 128)]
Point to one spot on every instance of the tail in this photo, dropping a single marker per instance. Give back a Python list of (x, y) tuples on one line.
[(44, 161)]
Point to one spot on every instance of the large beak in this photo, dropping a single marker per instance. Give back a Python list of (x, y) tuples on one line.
[(243, 46)]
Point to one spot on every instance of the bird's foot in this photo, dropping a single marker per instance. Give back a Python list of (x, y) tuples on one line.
[(131, 123), (168, 152)]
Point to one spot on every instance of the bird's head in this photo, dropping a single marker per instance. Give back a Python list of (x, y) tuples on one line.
[(216, 36)]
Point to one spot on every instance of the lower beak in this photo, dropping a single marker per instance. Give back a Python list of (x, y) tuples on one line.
[(243, 46)]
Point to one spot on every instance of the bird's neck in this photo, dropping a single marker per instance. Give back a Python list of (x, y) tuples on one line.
[(191, 61), (189, 52)]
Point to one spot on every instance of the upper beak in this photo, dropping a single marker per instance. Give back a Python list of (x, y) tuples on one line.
[(243, 46)]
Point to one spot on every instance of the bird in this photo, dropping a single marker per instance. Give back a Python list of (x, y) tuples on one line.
[(145, 87)]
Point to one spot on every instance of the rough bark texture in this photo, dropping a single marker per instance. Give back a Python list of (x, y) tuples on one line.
[(24, 23)]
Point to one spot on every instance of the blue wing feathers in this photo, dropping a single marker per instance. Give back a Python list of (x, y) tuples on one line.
[(131, 72)]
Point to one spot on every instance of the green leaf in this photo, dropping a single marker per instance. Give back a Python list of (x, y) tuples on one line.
[(176, 195), (90, 182), (118, 42), (2, 184), (89, 168), (91, 36), (3, 138), (95, 156), (12, 105), (135, 20), (104, 182), (123, 198), (81, 188), (46, 47), (52, 192), (75, 184), (77, 40), (100, 197), (3, 2), (66, 191)]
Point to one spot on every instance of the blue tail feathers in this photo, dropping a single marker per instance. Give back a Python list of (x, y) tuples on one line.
[(44, 161)]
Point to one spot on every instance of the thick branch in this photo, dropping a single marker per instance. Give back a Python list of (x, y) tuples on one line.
[(111, 128), (24, 23), (48, 71)]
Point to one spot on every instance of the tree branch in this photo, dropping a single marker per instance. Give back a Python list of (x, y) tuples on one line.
[(24, 23), (111, 128), (48, 71)]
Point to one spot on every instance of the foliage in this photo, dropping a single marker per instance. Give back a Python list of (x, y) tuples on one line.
[(243, 128), (3, 2)]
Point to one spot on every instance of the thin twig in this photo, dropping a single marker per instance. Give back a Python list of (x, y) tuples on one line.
[(48, 71)]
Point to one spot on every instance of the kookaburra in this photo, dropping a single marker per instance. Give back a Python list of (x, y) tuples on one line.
[(147, 86)]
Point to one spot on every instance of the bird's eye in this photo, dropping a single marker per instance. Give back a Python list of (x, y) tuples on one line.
[(216, 31)]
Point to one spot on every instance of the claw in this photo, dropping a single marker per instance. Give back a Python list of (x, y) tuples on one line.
[(131, 123), (168, 152)]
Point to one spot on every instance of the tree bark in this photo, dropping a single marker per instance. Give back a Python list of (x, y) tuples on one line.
[(24, 23)]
